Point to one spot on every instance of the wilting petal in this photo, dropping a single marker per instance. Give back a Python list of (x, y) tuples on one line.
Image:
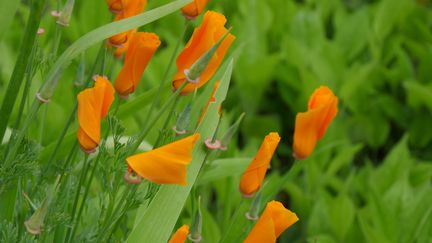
[(273, 222), (93, 105), (203, 38), (180, 235), (253, 177), (310, 126), (141, 49), (194, 8), (167, 164)]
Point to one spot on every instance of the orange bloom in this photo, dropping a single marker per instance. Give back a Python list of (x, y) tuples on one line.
[(253, 177), (180, 235), (203, 38), (274, 220), (194, 8), (167, 164), (122, 49), (93, 106), (129, 8), (142, 47), (211, 100), (115, 6), (310, 126)]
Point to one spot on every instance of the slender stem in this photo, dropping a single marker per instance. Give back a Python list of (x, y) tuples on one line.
[(165, 125), (232, 220), (86, 165), (21, 64)]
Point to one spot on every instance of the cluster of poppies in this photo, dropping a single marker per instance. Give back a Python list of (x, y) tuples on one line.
[(168, 164)]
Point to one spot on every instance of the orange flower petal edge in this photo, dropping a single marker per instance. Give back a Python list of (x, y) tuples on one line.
[(203, 38), (93, 106), (311, 125), (193, 9), (180, 235), (253, 177), (272, 223), (167, 164), (211, 100), (141, 49)]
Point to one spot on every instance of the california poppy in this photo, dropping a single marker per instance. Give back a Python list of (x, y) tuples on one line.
[(115, 6), (253, 177), (93, 106), (273, 222), (203, 38), (129, 8), (167, 164), (180, 235), (142, 47), (194, 8), (311, 125)]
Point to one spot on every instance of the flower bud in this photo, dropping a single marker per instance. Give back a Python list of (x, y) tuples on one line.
[(66, 13), (195, 233), (226, 138), (253, 213), (183, 120)]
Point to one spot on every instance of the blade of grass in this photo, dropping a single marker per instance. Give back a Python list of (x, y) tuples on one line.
[(7, 13), (160, 217)]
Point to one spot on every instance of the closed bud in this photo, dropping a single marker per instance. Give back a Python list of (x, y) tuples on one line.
[(194, 72), (66, 13), (253, 213), (226, 138), (195, 232), (183, 120)]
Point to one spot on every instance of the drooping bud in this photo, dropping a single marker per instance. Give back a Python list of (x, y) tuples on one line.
[(183, 120), (195, 232), (226, 138), (253, 213), (194, 72), (66, 13)]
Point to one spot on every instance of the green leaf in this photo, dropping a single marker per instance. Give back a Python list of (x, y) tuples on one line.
[(223, 168), (7, 13), (161, 215)]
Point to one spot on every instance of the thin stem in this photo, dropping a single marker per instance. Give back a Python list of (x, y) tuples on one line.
[(232, 220), (165, 125), (84, 171)]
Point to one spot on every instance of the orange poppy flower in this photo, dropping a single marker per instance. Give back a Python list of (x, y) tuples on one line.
[(203, 38), (167, 164), (115, 6), (311, 125), (130, 8), (141, 49), (273, 222), (122, 49), (194, 8), (253, 177), (93, 106), (180, 235), (211, 100)]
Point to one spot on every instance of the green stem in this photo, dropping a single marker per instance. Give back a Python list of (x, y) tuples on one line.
[(232, 220), (166, 123), (21, 64)]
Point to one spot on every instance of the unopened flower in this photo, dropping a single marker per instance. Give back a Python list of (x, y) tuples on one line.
[(166, 164), (93, 106), (193, 9), (253, 177), (311, 125), (66, 13), (203, 39), (142, 47), (180, 235), (273, 222), (196, 229)]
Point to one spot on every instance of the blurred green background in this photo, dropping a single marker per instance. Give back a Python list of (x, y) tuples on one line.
[(370, 178)]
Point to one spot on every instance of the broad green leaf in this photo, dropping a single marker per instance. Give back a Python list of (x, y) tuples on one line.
[(161, 215)]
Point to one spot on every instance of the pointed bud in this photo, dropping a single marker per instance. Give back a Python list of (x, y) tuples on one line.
[(194, 72), (35, 223), (195, 233), (226, 138), (253, 213), (80, 74), (183, 120), (66, 13)]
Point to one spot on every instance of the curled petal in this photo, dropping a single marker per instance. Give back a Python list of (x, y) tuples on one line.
[(180, 235), (193, 9)]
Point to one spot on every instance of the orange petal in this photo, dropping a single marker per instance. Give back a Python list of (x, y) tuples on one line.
[(93, 105), (180, 235), (167, 164), (194, 8), (141, 49), (203, 38), (253, 177), (273, 222), (310, 126)]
